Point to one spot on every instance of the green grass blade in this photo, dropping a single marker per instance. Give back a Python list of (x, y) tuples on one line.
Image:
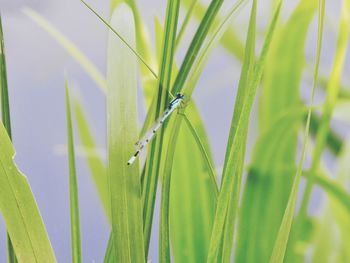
[(6, 118), (333, 187), (5, 104), (208, 48), (203, 151), (185, 22), (193, 192), (69, 46), (280, 246), (154, 153), (143, 47), (164, 238), (280, 93), (246, 75), (331, 99), (278, 252), (230, 184), (19, 209), (73, 187), (223, 250), (190, 186), (196, 44), (124, 181), (230, 39), (94, 160)]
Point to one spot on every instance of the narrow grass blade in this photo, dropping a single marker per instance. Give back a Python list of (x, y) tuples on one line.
[(230, 184), (245, 78), (331, 99), (6, 119), (278, 252), (124, 181), (230, 39), (69, 46), (333, 188), (196, 44), (73, 186), (154, 153), (19, 209), (94, 160), (5, 104), (185, 22), (164, 239)]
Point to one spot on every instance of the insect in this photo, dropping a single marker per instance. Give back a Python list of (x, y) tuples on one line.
[(141, 144)]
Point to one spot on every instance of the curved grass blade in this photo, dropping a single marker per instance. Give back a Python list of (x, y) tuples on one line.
[(69, 46), (283, 235), (124, 181), (73, 186), (121, 39), (19, 209)]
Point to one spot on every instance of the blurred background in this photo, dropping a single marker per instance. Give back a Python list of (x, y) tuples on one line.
[(36, 66)]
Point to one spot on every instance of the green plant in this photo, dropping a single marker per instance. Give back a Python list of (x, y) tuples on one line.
[(200, 219)]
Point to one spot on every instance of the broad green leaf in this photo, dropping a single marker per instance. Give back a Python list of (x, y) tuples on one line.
[(73, 186), (19, 209), (69, 46), (231, 184), (143, 47), (124, 181), (279, 94)]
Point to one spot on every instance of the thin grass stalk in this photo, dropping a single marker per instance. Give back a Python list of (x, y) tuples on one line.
[(6, 119), (73, 186)]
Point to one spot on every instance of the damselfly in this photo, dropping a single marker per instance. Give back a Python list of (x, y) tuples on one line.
[(141, 144)]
